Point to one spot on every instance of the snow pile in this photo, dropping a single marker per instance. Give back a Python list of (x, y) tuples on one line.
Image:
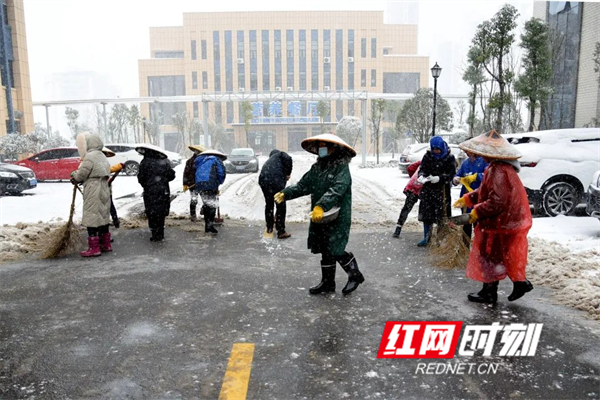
[(20, 240), (575, 277), (386, 164)]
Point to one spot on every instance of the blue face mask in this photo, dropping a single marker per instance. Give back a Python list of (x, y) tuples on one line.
[(323, 152)]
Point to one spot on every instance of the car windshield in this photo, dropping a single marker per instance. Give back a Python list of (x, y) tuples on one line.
[(242, 152)]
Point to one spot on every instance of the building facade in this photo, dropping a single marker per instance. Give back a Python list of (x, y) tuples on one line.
[(575, 100), (15, 103), (234, 52)]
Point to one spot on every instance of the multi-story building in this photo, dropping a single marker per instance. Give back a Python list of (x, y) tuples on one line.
[(575, 100), (15, 102), (234, 52)]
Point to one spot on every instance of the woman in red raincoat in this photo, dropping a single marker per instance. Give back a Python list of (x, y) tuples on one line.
[(502, 216)]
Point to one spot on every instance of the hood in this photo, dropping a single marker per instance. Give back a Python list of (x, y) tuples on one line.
[(93, 142), (13, 168), (273, 152), (437, 142)]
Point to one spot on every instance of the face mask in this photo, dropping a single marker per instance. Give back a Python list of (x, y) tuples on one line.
[(323, 152)]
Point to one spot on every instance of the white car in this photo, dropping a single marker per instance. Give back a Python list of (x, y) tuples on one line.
[(557, 166), (125, 153), (415, 152)]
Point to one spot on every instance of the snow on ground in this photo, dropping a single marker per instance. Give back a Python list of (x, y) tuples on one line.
[(564, 251)]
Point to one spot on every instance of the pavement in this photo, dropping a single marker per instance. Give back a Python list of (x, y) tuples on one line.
[(159, 321)]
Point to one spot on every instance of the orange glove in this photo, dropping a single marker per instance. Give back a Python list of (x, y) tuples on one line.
[(317, 214), (460, 203), (473, 216)]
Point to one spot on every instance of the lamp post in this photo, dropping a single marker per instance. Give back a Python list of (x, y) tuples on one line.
[(436, 70)]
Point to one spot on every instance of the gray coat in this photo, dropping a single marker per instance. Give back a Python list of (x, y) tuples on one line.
[(93, 172)]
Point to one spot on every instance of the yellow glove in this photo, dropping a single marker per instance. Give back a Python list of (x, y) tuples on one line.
[(185, 188), (279, 197), (473, 216), (460, 203), (317, 214)]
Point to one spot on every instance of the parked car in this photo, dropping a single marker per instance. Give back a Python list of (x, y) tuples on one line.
[(241, 160), (555, 166), (415, 152), (593, 198), (14, 179), (125, 153), (53, 164)]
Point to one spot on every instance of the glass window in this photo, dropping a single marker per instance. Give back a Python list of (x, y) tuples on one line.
[(228, 62), (218, 114), (253, 62), (386, 51), (278, 80), (173, 85), (195, 108), (363, 48), (203, 49), (265, 61), (314, 59), (217, 60), (229, 112), (339, 59), (204, 80), (350, 42), (193, 49), (302, 59), (339, 110), (327, 55), (241, 66), (373, 47), (289, 47), (363, 78), (373, 78), (194, 80), (169, 54)]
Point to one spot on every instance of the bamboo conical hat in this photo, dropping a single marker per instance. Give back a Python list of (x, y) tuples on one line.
[(216, 153), (311, 144), (197, 147), (142, 148), (492, 145), (108, 152)]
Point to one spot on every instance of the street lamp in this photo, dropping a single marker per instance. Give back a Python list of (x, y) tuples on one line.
[(436, 70)]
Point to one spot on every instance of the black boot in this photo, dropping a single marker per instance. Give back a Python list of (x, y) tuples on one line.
[(519, 289), (355, 277), (209, 220), (155, 235), (327, 284), (193, 212), (397, 231), (489, 293)]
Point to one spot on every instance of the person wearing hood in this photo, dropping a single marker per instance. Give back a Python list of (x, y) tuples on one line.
[(500, 209), (438, 167), (93, 173), (154, 175), (272, 179), (330, 185), (189, 179), (210, 173)]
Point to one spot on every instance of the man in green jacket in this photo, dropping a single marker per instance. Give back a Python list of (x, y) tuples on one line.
[(330, 185)]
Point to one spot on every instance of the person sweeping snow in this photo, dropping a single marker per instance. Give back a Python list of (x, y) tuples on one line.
[(469, 175), (210, 173), (154, 175), (93, 173), (189, 179), (411, 191), (330, 185), (500, 209)]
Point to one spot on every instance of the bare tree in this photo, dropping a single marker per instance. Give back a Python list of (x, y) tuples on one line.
[(377, 109)]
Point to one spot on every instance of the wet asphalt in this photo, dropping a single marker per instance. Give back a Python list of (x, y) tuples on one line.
[(158, 321)]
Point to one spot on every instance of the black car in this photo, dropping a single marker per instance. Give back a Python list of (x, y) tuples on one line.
[(14, 179), (593, 199), (241, 160)]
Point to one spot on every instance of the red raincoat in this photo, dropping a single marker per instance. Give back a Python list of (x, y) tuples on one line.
[(500, 243)]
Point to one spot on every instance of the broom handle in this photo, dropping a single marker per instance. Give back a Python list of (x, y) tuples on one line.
[(75, 188)]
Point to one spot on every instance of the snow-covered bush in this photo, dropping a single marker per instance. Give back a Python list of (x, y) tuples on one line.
[(349, 128)]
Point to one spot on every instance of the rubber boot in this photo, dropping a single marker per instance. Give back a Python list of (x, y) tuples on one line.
[(519, 289), (327, 284), (426, 236), (93, 247), (105, 243), (488, 294), (397, 231), (193, 212), (209, 220), (355, 277)]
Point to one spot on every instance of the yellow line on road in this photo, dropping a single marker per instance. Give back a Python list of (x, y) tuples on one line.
[(237, 376)]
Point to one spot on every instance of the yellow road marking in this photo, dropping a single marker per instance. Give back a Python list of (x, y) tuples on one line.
[(237, 376)]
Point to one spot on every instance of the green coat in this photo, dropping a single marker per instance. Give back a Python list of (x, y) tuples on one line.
[(329, 183)]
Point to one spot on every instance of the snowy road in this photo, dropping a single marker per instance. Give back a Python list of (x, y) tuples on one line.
[(159, 321)]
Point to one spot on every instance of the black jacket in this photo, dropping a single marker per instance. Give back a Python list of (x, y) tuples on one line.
[(154, 175), (275, 170), (435, 197)]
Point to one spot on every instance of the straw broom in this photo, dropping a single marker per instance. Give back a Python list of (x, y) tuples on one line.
[(448, 248), (66, 238)]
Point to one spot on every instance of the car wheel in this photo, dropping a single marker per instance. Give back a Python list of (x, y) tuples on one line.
[(131, 168), (560, 199)]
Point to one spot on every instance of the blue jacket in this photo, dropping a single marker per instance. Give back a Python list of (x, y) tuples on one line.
[(210, 172), (469, 167)]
